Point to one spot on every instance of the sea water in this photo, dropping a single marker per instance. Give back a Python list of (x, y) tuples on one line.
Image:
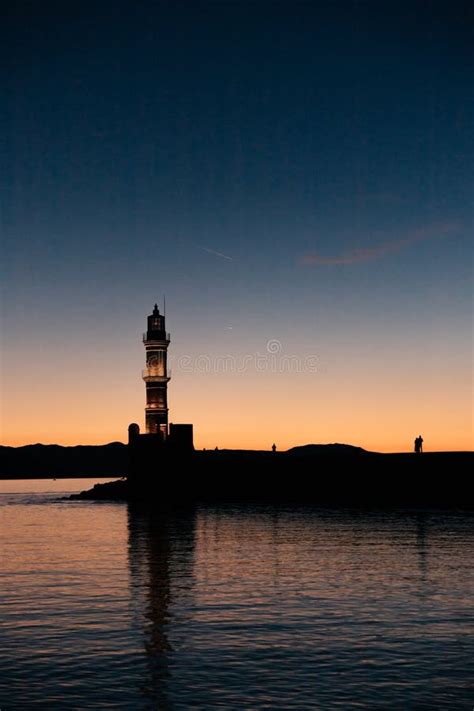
[(113, 606)]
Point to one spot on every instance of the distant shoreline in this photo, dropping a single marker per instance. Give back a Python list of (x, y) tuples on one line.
[(40, 461)]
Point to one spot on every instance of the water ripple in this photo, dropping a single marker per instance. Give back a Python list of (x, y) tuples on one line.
[(116, 607)]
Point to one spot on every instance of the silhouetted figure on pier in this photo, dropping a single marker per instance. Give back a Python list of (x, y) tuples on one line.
[(419, 445), (274, 447)]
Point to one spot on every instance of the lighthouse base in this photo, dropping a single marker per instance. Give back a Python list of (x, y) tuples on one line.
[(149, 453)]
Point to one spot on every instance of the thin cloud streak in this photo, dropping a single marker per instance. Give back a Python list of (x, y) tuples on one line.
[(217, 254), (378, 251)]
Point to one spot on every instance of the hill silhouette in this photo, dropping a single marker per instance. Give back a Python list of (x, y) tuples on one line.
[(53, 460), (335, 449)]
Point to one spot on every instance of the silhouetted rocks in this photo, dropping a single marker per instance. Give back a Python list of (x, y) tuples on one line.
[(110, 491)]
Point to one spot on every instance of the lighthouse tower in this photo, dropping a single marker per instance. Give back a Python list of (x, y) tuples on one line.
[(156, 375)]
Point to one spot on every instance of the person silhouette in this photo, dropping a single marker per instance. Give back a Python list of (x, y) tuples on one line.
[(274, 447), (419, 445)]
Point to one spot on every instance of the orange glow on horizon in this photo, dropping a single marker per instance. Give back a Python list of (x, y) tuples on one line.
[(252, 412)]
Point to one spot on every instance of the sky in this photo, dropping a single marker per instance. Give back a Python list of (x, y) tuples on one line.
[(295, 177)]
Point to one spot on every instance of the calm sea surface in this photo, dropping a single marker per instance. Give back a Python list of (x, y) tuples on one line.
[(109, 606)]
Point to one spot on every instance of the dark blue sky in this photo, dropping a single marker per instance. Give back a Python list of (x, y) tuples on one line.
[(300, 171)]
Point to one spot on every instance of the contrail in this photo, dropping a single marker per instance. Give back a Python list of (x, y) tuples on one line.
[(217, 254)]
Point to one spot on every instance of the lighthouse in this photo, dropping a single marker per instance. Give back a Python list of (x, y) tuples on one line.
[(156, 375), (160, 443)]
